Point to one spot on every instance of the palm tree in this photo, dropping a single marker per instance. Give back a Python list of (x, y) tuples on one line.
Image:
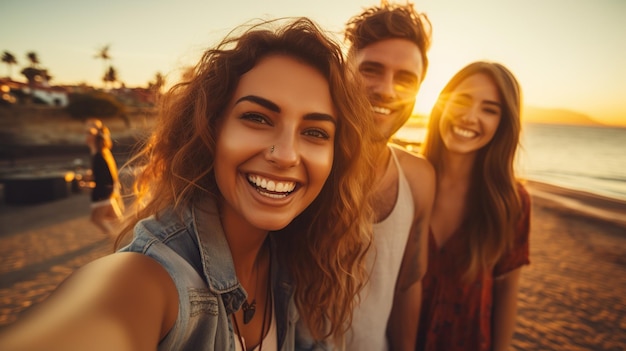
[(34, 75), (110, 76), (33, 58), (10, 60), (103, 54)]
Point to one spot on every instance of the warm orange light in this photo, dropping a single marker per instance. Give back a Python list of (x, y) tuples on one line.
[(69, 176)]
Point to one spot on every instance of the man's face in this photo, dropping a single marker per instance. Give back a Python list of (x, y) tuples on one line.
[(392, 71)]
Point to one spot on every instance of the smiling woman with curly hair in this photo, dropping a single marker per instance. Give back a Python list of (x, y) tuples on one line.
[(251, 210)]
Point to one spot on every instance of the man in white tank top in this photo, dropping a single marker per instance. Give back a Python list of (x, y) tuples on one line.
[(388, 45)]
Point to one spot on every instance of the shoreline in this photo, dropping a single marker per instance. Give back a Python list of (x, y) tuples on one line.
[(578, 202), (569, 200)]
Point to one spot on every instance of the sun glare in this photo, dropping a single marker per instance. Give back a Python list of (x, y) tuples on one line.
[(425, 100), (438, 75)]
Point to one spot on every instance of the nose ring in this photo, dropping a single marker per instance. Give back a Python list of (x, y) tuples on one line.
[(272, 150)]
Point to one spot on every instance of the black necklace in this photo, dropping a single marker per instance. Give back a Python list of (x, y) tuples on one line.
[(268, 301), (249, 309)]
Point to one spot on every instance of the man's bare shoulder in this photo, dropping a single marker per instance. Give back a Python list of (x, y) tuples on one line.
[(420, 175), (413, 164)]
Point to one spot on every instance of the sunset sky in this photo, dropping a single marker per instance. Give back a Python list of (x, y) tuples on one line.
[(567, 54)]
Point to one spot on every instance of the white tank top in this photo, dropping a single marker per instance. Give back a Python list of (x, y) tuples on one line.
[(369, 324)]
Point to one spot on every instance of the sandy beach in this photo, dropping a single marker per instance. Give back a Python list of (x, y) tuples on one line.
[(572, 296)]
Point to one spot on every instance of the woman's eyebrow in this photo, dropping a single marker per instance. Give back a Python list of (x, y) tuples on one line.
[(260, 101), (494, 103), (315, 116), (488, 102)]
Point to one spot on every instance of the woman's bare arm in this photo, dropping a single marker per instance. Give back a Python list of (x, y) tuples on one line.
[(124, 301), (505, 309)]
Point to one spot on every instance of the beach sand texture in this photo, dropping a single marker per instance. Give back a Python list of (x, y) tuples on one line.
[(572, 296)]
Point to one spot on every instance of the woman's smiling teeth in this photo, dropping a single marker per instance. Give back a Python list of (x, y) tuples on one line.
[(271, 188), (381, 110), (466, 133)]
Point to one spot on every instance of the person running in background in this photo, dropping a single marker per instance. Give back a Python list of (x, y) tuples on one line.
[(251, 212), (388, 45), (106, 204), (480, 221)]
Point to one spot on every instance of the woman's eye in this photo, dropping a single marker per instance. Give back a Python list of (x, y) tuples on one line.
[(317, 133), (255, 117), (460, 103), (491, 111)]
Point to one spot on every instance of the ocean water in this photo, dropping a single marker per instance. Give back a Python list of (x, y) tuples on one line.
[(591, 159)]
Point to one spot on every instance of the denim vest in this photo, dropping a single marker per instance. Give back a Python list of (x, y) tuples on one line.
[(194, 251)]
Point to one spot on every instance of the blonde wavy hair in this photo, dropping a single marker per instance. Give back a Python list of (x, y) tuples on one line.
[(324, 247)]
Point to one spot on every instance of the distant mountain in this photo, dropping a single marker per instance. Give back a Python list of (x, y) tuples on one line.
[(532, 114)]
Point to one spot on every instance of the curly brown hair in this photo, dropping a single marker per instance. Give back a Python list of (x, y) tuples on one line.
[(324, 247)]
